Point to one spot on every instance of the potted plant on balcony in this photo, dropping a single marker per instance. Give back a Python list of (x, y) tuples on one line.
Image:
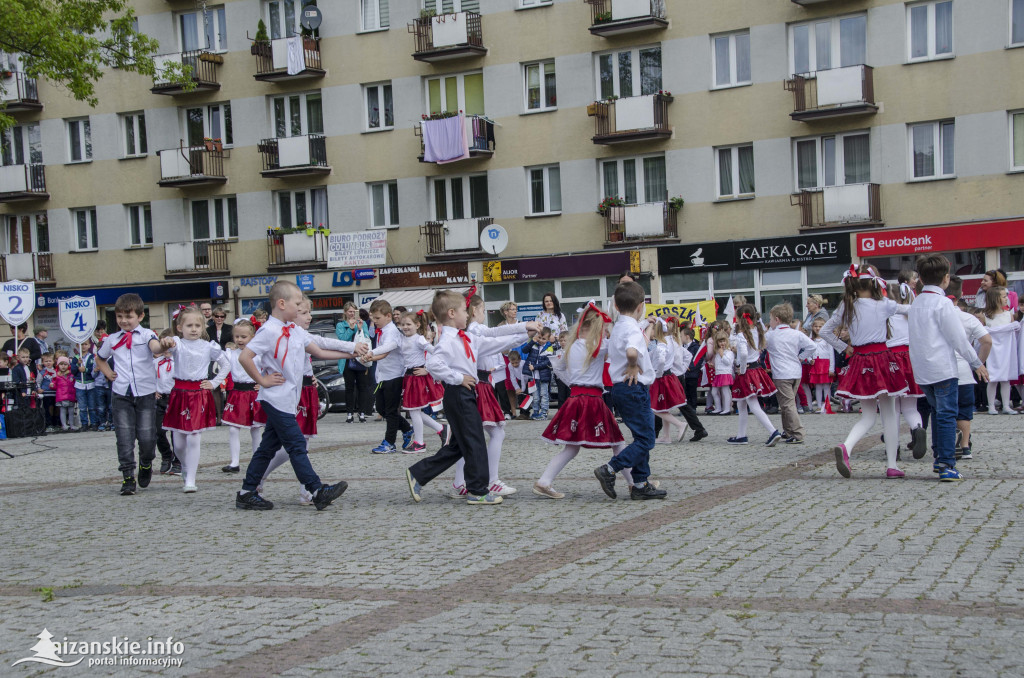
[(310, 231), (261, 43), (213, 144), (675, 204), (609, 202), (324, 230), (4, 74), (602, 18)]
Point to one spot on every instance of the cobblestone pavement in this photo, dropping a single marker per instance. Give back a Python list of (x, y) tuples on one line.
[(761, 562)]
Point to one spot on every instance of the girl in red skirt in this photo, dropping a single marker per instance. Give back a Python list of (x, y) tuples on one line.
[(751, 380), (241, 406), (666, 392), (873, 375), (723, 362), (419, 389), (899, 344), (190, 408), (583, 420), (820, 373)]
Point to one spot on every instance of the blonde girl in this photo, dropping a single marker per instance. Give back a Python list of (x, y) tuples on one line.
[(724, 359), (751, 379), (419, 389), (241, 408), (666, 392), (821, 372), (997, 314)]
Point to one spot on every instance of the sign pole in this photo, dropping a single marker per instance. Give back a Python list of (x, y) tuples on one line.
[(81, 361)]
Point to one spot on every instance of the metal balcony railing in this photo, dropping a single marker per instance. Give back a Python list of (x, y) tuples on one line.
[(191, 165), (194, 256), (37, 266), (23, 182), (203, 64), (18, 92), (836, 92), (294, 155), (455, 236), (612, 17), (285, 249), (272, 59), (631, 119), (479, 132), (646, 221), (837, 206), (447, 36)]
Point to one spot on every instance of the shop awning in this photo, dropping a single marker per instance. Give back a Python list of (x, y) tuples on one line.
[(416, 299)]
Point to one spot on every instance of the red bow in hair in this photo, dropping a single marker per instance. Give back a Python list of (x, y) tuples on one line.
[(591, 306), (419, 312), (746, 316), (469, 295), (853, 271), (177, 312)]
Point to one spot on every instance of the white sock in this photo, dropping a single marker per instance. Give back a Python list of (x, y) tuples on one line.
[(725, 398), (63, 417), (755, 409), (416, 419), (233, 444), (557, 463), (822, 396), (741, 423), (908, 408), (1004, 389), (256, 432), (891, 426), (992, 386), (806, 389), (497, 437), (716, 403), (186, 446), (429, 422), (868, 414)]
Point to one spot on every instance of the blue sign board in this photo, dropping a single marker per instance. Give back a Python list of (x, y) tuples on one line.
[(305, 282), (349, 278), (106, 296)]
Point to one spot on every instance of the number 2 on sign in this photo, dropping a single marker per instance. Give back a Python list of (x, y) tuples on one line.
[(17, 304), (79, 322)]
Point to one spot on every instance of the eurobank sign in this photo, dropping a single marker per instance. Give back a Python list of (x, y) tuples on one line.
[(958, 238)]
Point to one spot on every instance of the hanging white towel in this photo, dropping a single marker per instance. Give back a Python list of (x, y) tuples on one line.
[(444, 140), (296, 55)]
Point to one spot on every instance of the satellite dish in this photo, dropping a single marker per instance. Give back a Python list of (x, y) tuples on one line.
[(311, 17), (493, 239)]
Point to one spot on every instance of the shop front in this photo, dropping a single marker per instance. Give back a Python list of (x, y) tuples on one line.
[(328, 290), (764, 271), (413, 286)]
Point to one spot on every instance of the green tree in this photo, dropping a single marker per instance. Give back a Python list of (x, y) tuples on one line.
[(71, 42)]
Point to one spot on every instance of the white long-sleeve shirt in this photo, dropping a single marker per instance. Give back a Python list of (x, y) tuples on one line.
[(824, 352), (192, 358), (626, 334), (414, 351), (786, 348), (936, 336), (870, 320), (975, 331), (283, 355), (390, 341), (899, 331), (515, 375), (578, 375), (681, 357), (449, 362), (661, 360), (513, 335), (724, 363)]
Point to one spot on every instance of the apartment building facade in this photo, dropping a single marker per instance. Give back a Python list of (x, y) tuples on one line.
[(718, 147)]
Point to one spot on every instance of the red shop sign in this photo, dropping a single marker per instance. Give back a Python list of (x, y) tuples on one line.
[(941, 238)]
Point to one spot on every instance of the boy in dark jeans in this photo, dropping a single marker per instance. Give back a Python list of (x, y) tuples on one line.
[(539, 364), (390, 374)]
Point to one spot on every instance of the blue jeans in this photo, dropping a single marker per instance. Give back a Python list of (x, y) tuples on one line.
[(541, 401), (943, 398), (633, 404), (88, 406), (103, 404), (134, 418), (281, 431)]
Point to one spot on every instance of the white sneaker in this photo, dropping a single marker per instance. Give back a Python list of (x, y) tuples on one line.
[(305, 498), (995, 412), (458, 492), (189, 489), (1009, 411), (501, 489)]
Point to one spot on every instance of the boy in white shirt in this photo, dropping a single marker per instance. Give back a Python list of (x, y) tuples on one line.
[(787, 348), (390, 375)]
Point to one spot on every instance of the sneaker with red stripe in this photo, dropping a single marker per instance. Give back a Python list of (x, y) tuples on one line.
[(501, 489)]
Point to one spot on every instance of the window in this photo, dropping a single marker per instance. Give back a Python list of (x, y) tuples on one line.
[(214, 219), (21, 145), (450, 6), (828, 43), (283, 17), (203, 30), (525, 4), (140, 225), (384, 204), (539, 80), (735, 168), (545, 186), (79, 140), (208, 122), (833, 160), (84, 220), (931, 149), (635, 179), (731, 63), (629, 73), (26, 233), (459, 197), (302, 208), (1017, 22), (460, 92), (380, 108), (134, 134), (297, 114), (374, 15), (930, 30), (1017, 140)]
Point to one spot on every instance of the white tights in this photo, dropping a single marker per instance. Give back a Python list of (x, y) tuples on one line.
[(716, 402), (256, 432), (750, 402), (890, 425), (723, 399), (186, 448), (908, 408), (1004, 395), (670, 420), (419, 420), (65, 415), (820, 394), (495, 437), (567, 454)]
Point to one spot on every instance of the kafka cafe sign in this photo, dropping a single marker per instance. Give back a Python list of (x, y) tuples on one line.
[(832, 248)]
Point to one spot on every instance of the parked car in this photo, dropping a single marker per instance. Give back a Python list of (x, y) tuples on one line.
[(332, 391)]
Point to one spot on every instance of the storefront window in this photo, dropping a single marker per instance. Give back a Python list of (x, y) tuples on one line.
[(613, 280), (970, 262), (1011, 259), (684, 282), (531, 292), (581, 289), (826, 275), (780, 276), (794, 297), (496, 292), (733, 280)]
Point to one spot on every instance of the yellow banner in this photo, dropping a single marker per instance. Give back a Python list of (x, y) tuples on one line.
[(685, 311)]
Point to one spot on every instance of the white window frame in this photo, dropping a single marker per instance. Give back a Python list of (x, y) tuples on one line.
[(548, 182), (840, 158), (733, 79), (91, 232), (281, 29), (1019, 5), (532, 4), (542, 84), (931, 54), (215, 15), (208, 132), (382, 118), (376, 25), (84, 139), (467, 201), (460, 89), (34, 244), (438, 6), (22, 135), (224, 203), (1014, 167), (735, 152), (939, 144), (835, 42), (135, 121), (303, 112), (641, 188), (307, 198), (389, 193), (634, 65), (140, 220)]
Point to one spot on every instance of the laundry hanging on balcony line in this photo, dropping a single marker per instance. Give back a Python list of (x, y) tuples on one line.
[(296, 55), (445, 140)]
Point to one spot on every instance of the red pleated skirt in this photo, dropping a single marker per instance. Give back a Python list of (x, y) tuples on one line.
[(667, 393), (240, 408), (902, 355), (487, 404), (419, 391), (190, 409), (309, 411), (755, 381), (584, 420), (818, 372), (872, 371)]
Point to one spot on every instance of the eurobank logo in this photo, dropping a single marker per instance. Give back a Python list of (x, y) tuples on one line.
[(867, 244)]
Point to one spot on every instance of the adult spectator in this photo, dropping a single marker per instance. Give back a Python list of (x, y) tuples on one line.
[(552, 317), (217, 329), (12, 345), (396, 313), (815, 311), (358, 381), (994, 278), (206, 308), (41, 335), (508, 313)]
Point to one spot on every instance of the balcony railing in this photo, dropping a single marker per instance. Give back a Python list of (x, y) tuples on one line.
[(18, 92), (37, 266), (646, 221), (191, 166), (833, 93), (615, 17), (448, 36), (457, 236), (639, 118), (22, 182), (479, 137), (297, 250), (812, 2), (294, 156), (272, 60), (839, 206), (203, 64), (196, 256)]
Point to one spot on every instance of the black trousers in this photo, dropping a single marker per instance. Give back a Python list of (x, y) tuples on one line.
[(358, 391), (505, 399), (467, 443), (690, 388), (389, 401), (563, 390), (162, 443)]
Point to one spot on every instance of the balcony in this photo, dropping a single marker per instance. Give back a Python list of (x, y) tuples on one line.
[(479, 139), (192, 257), (448, 36), (812, 3), (204, 72), (272, 60), (191, 166), (37, 266), (297, 250), (630, 224), (19, 93), (454, 238), (642, 118), (616, 17), (833, 93), (839, 206), (22, 182), (294, 156)]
